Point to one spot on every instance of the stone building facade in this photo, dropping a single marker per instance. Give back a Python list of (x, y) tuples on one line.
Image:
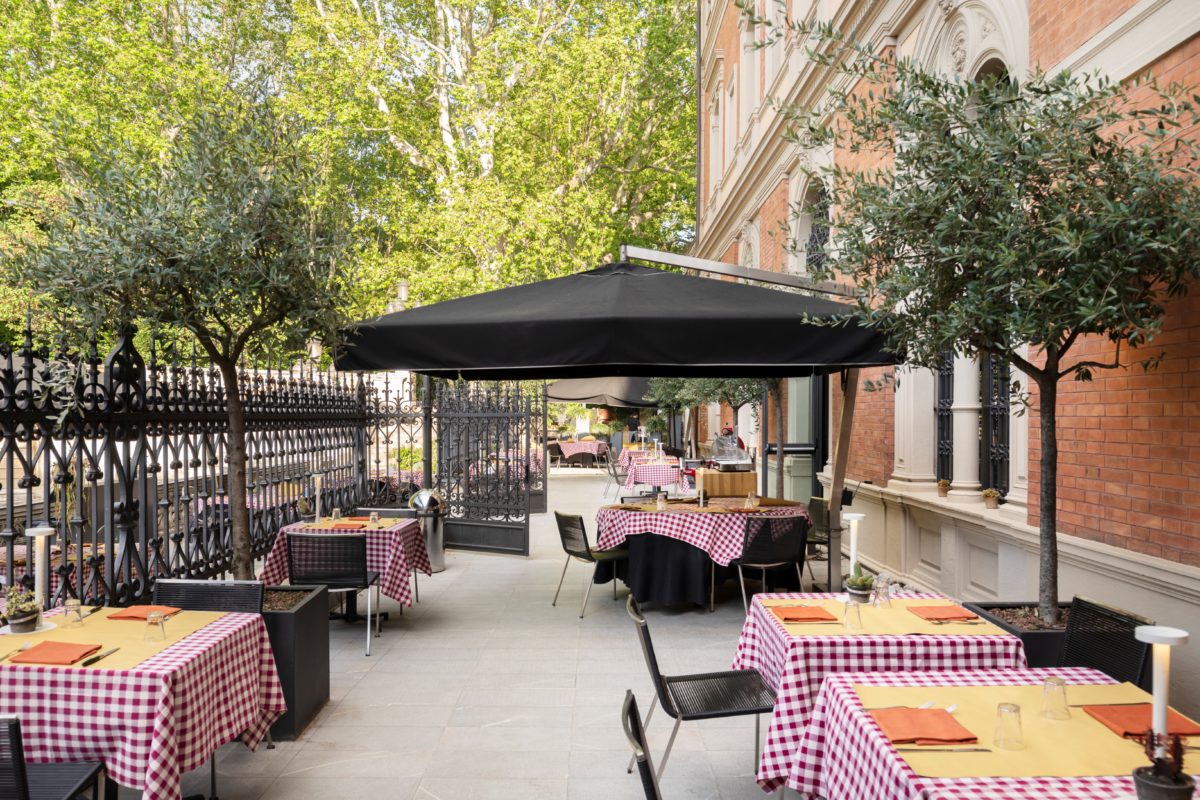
[(1129, 476)]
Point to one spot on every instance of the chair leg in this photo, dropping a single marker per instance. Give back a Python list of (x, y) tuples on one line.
[(586, 595), (416, 586), (614, 580), (645, 727), (554, 602), (212, 777), (800, 575), (757, 734), (378, 605), (764, 580), (742, 581), (369, 636), (667, 753), (712, 586)]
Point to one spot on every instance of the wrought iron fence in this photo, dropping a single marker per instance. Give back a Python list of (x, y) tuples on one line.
[(127, 463)]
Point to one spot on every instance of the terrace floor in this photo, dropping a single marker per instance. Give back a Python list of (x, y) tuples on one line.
[(484, 690)]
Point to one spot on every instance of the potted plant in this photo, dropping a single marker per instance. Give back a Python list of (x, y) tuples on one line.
[(1164, 778), (297, 620), (858, 585), (943, 487), (22, 610), (991, 498), (616, 435)]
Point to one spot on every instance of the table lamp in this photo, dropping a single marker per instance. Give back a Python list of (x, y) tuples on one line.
[(317, 493), (39, 539), (853, 517), (1162, 640)]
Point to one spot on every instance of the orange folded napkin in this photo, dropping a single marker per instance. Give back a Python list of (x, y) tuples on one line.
[(1133, 720), (55, 653), (940, 613), (802, 614), (140, 612), (347, 526), (921, 726)]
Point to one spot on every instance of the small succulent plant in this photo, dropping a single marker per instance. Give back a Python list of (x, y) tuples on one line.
[(20, 603), (858, 580)]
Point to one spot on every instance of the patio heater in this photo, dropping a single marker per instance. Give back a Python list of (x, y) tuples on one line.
[(428, 505)]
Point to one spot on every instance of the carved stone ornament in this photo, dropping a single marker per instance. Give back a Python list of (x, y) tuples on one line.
[(948, 6), (958, 51)]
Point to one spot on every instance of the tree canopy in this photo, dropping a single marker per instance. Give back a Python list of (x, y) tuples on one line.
[(1010, 218), (477, 144)]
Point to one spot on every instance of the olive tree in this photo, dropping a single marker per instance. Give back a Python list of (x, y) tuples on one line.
[(223, 236), (1011, 218)]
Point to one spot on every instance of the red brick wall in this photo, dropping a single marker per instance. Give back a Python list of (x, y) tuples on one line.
[(873, 435), (772, 229), (1058, 27), (1129, 441), (729, 43)]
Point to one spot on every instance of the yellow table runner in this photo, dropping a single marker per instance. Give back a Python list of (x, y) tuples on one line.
[(326, 525), (110, 633), (894, 621), (1073, 748)]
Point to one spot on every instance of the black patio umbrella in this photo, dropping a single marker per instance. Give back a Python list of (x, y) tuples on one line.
[(623, 392), (619, 319)]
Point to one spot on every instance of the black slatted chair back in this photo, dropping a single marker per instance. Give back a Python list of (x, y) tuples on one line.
[(774, 540), (643, 631), (573, 536), (554, 450), (338, 560), (199, 595), (1101, 637), (13, 781), (636, 734)]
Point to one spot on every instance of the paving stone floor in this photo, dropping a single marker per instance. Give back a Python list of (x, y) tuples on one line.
[(484, 691)]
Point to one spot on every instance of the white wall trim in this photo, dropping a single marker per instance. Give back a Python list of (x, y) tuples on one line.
[(1135, 39)]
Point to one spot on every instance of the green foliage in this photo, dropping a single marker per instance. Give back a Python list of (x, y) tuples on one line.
[(478, 144), (680, 393), (1004, 214), (19, 603)]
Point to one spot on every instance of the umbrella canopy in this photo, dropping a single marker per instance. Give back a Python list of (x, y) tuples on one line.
[(619, 319), (624, 392)]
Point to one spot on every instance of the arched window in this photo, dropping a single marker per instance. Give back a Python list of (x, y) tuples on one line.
[(810, 238), (715, 146), (748, 71)]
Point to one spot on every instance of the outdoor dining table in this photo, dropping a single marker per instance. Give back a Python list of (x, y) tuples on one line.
[(596, 448), (674, 554), (151, 710), (795, 658), (656, 474), (395, 547), (629, 455), (843, 754)]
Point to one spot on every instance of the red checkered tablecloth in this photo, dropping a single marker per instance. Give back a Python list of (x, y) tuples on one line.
[(164, 717), (843, 755), (392, 552), (573, 448), (719, 535), (628, 456), (794, 667), (657, 475)]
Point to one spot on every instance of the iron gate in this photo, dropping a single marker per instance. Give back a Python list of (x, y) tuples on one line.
[(478, 445)]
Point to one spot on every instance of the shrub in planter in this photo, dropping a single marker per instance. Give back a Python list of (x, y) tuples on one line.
[(22, 610), (299, 637), (1163, 778)]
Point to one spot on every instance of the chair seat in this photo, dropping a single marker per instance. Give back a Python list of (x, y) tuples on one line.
[(61, 781), (737, 562), (720, 694), (340, 585), (610, 555)]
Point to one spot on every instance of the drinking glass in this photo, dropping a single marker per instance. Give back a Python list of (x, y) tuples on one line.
[(852, 616), (1054, 699), (335, 514), (156, 627), (660, 502), (72, 613), (883, 593), (1008, 727), (374, 517)]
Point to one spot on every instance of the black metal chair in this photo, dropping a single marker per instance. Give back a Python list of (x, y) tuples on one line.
[(337, 560), (1101, 637), (636, 735), (585, 460), (575, 544), (770, 543), (618, 475), (554, 450), (733, 693), (22, 781), (244, 597), (818, 537)]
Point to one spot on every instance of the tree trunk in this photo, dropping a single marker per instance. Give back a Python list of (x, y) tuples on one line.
[(1048, 500), (239, 513), (780, 433)]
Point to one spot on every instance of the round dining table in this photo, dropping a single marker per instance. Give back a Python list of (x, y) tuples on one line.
[(675, 554)]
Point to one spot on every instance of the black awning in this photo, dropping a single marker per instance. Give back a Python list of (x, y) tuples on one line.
[(622, 392), (619, 320)]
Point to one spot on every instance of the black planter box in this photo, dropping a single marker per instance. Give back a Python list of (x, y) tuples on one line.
[(1042, 648), (300, 641)]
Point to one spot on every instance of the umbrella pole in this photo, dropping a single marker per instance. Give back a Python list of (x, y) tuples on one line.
[(841, 455)]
